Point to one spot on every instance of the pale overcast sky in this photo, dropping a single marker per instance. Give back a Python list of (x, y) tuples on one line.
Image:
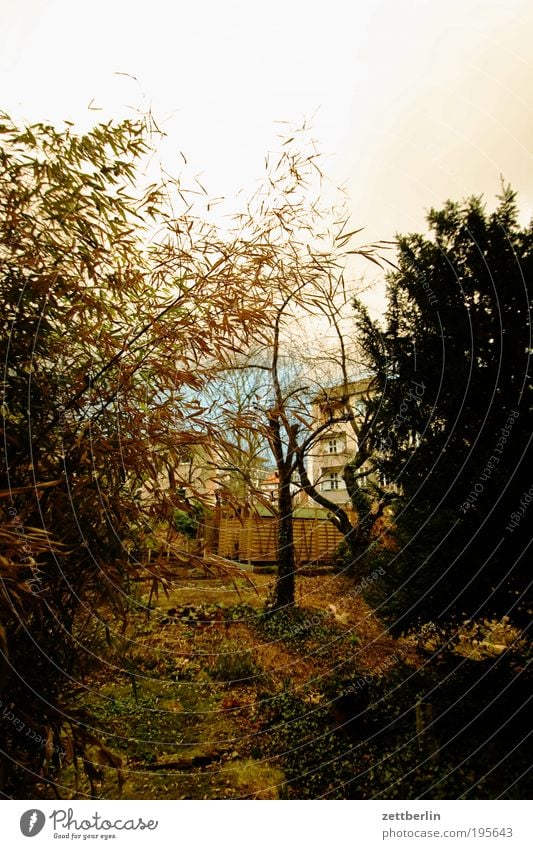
[(415, 100)]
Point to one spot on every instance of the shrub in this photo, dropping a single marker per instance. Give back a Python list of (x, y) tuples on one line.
[(233, 664)]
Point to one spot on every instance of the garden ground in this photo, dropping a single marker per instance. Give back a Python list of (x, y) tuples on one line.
[(207, 696)]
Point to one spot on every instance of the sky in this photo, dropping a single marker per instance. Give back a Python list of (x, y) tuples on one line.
[(411, 101)]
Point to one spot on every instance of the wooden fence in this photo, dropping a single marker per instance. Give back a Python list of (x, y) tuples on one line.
[(252, 538)]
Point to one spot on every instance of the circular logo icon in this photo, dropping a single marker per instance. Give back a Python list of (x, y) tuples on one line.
[(32, 822)]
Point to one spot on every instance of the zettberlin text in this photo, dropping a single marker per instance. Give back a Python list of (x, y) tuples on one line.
[(407, 815)]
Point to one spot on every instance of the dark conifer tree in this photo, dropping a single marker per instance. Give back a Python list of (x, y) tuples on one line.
[(453, 412)]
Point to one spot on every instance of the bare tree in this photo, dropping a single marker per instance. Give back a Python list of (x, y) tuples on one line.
[(368, 494), (302, 249)]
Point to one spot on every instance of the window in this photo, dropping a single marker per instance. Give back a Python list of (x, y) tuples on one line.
[(333, 444), (331, 481)]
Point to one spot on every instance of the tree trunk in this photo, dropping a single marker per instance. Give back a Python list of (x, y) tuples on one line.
[(284, 594), (359, 539)]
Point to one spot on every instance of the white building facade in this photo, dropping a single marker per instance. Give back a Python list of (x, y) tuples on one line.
[(336, 445)]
